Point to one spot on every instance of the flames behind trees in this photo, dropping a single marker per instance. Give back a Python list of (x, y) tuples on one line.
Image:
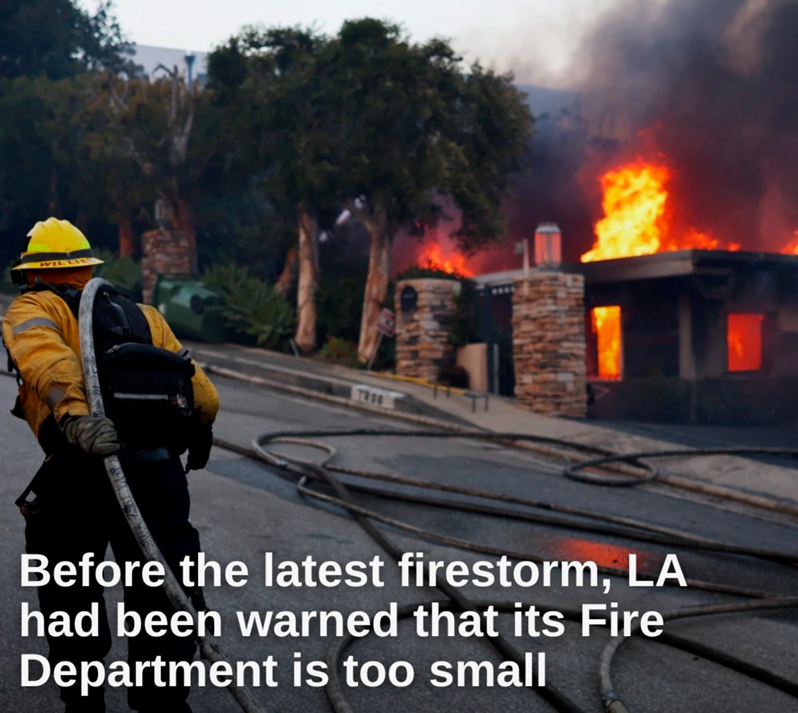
[(432, 256)]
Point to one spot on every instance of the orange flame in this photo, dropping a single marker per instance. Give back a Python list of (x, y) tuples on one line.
[(635, 216), (744, 342), (791, 248), (432, 257), (607, 328), (634, 206), (635, 222)]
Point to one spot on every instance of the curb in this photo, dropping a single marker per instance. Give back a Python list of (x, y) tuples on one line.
[(678, 482), (388, 401), (358, 404)]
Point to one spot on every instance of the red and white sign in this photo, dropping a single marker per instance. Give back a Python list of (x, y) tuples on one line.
[(386, 324)]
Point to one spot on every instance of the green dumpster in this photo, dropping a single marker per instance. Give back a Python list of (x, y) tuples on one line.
[(193, 310)]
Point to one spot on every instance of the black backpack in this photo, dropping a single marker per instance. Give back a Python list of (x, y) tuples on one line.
[(147, 391)]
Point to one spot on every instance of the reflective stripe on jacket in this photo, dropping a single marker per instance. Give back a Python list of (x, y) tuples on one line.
[(42, 337)]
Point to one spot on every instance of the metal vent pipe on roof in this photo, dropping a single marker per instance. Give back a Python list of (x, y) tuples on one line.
[(548, 245)]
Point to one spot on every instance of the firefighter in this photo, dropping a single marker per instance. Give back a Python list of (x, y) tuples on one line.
[(74, 510)]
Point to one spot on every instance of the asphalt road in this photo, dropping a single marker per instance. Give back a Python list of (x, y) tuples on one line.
[(703, 436), (244, 510)]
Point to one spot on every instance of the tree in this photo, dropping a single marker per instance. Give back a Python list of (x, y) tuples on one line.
[(486, 152), (273, 84), (167, 130), (50, 51), (26, 159), (410, 125), (122, 190), (368, 121), (57, 39), (47, 166)]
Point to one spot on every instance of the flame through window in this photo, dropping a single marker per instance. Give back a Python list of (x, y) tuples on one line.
[(744, 342), (606, 322)]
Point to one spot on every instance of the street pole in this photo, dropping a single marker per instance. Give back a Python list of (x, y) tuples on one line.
[(374, 355)]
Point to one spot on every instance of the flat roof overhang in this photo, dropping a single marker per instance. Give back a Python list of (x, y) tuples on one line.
[(678, 263), (681, 263)]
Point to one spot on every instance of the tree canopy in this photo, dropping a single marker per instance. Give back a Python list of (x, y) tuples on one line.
[(51, 56), (294, 131), (57, 39), (368, 121)]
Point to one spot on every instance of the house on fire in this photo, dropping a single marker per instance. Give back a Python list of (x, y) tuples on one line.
[(704, 336)]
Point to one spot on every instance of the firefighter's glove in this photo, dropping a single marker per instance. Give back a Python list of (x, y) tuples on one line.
[(199, 448), (96, 436)]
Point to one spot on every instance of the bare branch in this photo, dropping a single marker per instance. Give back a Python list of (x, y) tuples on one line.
[(362, 215), (173, 106), (145, 166), (170, 72), (120, 102)]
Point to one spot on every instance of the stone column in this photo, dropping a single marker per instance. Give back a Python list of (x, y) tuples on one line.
[(423, 319), (549, 347), (164, 252)]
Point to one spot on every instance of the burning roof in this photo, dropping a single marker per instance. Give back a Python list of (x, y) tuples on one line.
[(682, 136)]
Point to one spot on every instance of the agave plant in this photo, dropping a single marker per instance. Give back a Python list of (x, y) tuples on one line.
[(271, 322), (225, 278), (253, 307)]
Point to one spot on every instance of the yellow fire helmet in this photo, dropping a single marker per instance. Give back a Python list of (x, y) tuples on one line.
[(56, 244)]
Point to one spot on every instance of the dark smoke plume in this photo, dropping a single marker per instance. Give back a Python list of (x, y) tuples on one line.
[(711, 87)]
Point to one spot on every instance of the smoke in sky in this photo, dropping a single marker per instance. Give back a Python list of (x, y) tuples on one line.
[(708, 87)]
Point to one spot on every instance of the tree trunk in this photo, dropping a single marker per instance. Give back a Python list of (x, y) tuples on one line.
[(308, 282), (127, 243), (376, 286), (183, 220), (288, 276)]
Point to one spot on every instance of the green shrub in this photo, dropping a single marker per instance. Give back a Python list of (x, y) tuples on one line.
[(340, 351), (124, 273), (255, 311), (226, 279), (339, 303)]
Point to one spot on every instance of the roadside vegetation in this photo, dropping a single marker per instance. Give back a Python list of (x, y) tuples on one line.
[(299, 143)]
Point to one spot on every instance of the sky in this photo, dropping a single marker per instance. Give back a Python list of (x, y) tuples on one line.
[(534, 38)]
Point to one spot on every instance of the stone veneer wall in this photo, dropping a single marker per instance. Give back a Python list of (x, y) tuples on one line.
[(422, 335), (549, 347), (164, 253)]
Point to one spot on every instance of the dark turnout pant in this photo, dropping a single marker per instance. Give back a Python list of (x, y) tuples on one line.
[(79, 514)]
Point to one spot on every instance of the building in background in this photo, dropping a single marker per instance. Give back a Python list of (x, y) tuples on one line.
[(150, 57)]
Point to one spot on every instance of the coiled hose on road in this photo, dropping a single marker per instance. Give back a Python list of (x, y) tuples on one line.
[(324, 471), (571, 450), (209, 648)]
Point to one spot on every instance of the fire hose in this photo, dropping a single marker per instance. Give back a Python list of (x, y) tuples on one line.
[(634, 465), (323, 471), (208, 646), (307, 471)]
